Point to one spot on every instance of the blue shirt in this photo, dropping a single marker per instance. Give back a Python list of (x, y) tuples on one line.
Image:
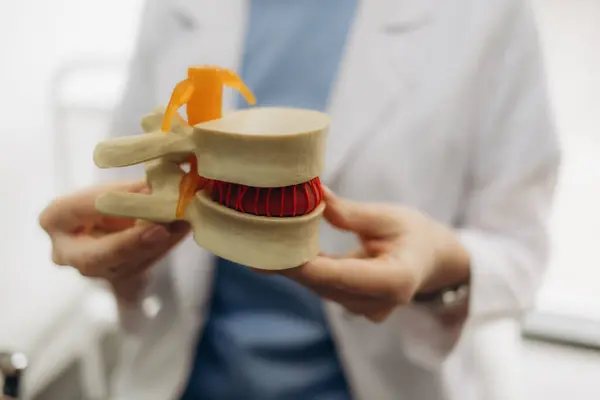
[(266, 337)]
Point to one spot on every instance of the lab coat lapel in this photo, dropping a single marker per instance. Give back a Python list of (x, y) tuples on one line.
[(375, 75), (212, 32), (369, 87)]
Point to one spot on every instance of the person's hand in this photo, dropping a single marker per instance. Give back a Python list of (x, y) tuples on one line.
[(403, 253), (116, 249)]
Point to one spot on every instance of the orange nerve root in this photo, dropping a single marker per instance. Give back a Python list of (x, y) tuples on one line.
[(202, 92)]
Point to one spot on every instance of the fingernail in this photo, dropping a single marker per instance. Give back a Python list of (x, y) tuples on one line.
[(328, 193), (146, 189), (155, 235), (380, 317), (139, 187), (178, 226)]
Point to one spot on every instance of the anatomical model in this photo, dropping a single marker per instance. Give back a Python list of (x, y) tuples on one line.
[(252, 193)]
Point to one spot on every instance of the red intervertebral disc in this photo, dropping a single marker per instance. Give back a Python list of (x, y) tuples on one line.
[(288, 201)]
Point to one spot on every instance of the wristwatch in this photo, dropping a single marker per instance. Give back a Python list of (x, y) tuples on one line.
[(12, 367), (447, 299)]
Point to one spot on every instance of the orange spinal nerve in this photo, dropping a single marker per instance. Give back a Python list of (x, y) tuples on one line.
[(202, 92)]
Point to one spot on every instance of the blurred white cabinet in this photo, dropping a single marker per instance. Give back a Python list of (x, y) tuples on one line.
[(40, 304), (553, 372), (85, 93), (570, 32)]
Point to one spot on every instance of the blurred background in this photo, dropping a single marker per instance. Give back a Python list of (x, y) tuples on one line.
[(61, 74)]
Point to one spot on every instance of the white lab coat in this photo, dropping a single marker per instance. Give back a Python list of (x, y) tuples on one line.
[(440, 105)]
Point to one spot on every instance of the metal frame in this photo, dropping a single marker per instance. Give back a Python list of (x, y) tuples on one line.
[(563, 328), (12, 369)]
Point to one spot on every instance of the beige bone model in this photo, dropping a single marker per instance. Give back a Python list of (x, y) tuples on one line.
[(260, 147)]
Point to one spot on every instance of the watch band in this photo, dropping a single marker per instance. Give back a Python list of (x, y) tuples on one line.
[(12, 368), (446, 298)]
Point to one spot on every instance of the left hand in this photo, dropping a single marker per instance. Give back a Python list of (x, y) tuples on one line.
[(403, 253)]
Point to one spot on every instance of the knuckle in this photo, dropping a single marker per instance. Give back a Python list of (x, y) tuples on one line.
[(45, 219), (88, 272), (88, 268), (380, 315), (401, 297), (58, 258), (353, 309), (124, 251), (132, 253), (404, 290), (113, 273)]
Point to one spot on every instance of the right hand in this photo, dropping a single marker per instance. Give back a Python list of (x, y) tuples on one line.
[(116, 249)]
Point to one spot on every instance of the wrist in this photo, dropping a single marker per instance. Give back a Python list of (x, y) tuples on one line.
[(452, 266), (129, 291), (450, 305), (446, 293)]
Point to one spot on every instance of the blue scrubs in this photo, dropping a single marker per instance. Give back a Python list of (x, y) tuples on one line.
[(266, 337)]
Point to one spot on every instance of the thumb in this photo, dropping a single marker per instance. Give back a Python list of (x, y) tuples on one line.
[(71, 211), (365, 219)]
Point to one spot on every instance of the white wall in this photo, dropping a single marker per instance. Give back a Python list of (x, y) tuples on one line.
[(36, 37), (560, 373), (571, 37)]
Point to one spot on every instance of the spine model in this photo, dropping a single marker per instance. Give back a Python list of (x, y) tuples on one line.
[(252, 193), (202, 92)]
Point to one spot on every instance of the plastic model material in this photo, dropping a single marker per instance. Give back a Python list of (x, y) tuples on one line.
[(252, 192)]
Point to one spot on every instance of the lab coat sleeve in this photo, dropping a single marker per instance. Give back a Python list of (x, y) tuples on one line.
[(138, 99), (514, 167)]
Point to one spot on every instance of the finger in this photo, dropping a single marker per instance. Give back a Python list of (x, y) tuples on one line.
[(356, 303), (380, 315), (378, 247), (101, 257), (358, 253), (113, 224), (359, 276), (373, 308), (365, 219), (127, 270), (69, 213), (91, 256), (367, 309), (374, 312)]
